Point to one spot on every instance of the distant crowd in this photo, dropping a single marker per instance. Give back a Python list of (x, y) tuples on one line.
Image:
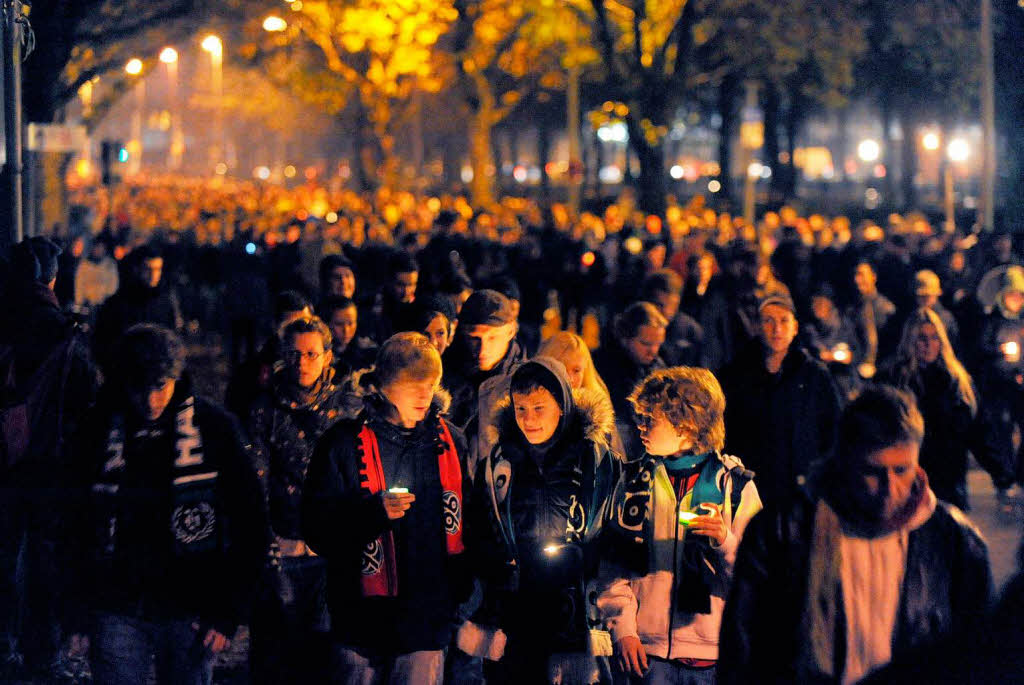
[(508, 444)]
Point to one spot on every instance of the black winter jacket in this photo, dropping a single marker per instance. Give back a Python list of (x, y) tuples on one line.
[(946, 590), (340, 518), (781, 424), (141, 575)]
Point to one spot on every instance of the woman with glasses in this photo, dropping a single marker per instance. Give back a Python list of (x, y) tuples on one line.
[(677, 515), (290, 624)]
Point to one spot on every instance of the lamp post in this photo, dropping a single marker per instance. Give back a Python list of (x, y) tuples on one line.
[(958, 150), (134, 68), (11, 29), (169, 56), (213, 45)]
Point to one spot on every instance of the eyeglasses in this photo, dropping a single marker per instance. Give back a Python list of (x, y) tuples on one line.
[(293, 356)]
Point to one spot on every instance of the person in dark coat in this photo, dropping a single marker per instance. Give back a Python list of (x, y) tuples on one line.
[(166, 529), (478, 366), (926, 366), (639, 333), (703, 299), (871, 313), (289, 630), (351, 352), (550, 475), (403, 275), (872, 569), (47, 383), (781, 406), (383, 504), (832, 339), (142, 297), (684, 337), (254, 375)]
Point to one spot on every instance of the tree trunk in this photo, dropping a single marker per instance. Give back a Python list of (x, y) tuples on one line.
[(727, 92), (777, 187), (544, 155), (908, 159), (481, 188), (652, 186), (887, 147), (794, 120), (362, 151)]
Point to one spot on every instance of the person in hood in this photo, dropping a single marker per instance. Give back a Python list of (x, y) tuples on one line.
[(542, 495), (871, 569), (142, 297), (1001, 383), (678, 514), (166, 528), (383, 504), (479, 364), (290, 622)]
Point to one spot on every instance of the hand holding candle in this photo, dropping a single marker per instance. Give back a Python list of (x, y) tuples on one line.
[(711, 524), (397, 501)]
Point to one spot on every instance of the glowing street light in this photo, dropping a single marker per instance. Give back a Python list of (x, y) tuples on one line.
[(134, 66), (274, 24), (930, 141), (958, 150), (869, 150), (213, 45), (168, 55)]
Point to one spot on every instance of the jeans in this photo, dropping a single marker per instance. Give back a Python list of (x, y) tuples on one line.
[(662, 672), (290, 624), (351, 666), (123, 648)]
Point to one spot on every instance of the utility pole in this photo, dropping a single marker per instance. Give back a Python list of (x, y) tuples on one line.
[(986, 214), (14, 168)]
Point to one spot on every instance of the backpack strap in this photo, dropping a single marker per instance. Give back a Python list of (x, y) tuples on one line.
[(740, 477)]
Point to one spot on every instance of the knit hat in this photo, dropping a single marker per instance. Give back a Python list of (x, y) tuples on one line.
[(486, 308), (927, 283), (35, 259)]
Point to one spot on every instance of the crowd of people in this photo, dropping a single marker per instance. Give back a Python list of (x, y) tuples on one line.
[(503, 445)]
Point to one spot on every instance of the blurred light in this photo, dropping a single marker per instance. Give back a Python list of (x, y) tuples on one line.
[(613, 133), (83, 167), (879, 171), (168, 55), (1011, 350), (250, 248), (519, 173), (466, 174), (212, 44), (676, 172), (122, 155), (274, 24), (310, 173), (610, 174), (714, 186), (958, 150), (532, 174), (871, 195), (551, 550), (290, 171), (970, 202), (930, 141), (588, 258), (261, 172), (220, 169), (134, 66), (868, 150), (633, 245), (766, 171), (754, 170), (296, 5), (331, 217)]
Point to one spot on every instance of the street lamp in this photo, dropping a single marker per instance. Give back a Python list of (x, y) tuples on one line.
[(169, 56), (869, 150), (134, 68), (958, 150), (213, 45), (274, 24), (930, 141)]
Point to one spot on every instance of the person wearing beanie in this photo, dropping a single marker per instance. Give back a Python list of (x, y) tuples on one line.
[(542, 498), (479, 365), (434, 316), (781, 405)]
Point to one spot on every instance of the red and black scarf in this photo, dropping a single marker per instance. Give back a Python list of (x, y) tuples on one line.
[(379, 568)]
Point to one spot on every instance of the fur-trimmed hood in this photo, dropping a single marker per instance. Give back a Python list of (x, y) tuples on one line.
[(593, 419)]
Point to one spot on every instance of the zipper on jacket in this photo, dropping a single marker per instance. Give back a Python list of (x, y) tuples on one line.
[(675, 577)]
